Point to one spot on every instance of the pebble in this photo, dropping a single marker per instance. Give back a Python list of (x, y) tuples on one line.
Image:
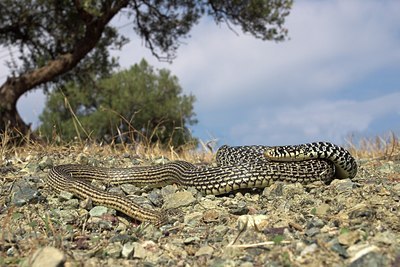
[(312, 231), (191, 240), (23, 193), (116, 191), (139, 251), (252, 222), (349, 238), (68, 216), (371, 259), (168, 190), (193, 218), (338, 248), (273, 191), (47, 256), (10, 252), (343, 185), (45, 163), (204, 250), (210, 216), (98, 211), (309, 249), (386, 237), (71, 204), (239, 209), (155, 197), (114, 250), (315, 222), (322, 209), (130, 189), (65, 195), (178, 199), (127, 250), (161, 160)]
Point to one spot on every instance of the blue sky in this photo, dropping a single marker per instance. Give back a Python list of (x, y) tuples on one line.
[(339, 74)]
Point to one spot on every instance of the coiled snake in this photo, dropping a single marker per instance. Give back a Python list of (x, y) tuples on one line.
[(237, 168)]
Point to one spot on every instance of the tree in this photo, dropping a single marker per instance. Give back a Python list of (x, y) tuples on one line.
[(60, 40), (144, 104)]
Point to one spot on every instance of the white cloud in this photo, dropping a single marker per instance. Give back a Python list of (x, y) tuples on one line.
[(329, 120), (331, 44)]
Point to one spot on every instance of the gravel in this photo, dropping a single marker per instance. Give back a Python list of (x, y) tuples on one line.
[(345, 223)]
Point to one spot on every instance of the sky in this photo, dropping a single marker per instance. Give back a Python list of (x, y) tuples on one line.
[(337, 76)]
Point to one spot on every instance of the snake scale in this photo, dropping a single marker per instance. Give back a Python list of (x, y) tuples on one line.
[(236, 168)]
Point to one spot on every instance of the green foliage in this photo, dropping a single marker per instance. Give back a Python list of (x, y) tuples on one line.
[(45, 29), (139, 104)]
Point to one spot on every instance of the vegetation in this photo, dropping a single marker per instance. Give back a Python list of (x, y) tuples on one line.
[(63, 40), (138, 104)]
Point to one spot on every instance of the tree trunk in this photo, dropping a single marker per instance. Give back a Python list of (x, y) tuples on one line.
[(10, 119), (15, 87)]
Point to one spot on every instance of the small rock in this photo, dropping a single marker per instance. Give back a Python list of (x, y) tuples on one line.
[(387, 238), (82, 159), (23, 193), (252, 222), (315, 222), (191, 240), (247, 264), (68, 216), (72, 203), (139, 251), (116, 191), (168, 190), (127, 250), (130, 189), (396, 188), (371, 259), (208, 204), (10, 252), (65, 195), (289, 190), (322, 209), (239, 209), (161, 160), (343, 185), (155, 197), (48, 256), (178, 199), (312, 231), (204, 250), (45, 163), (221, 229), (309, 249), (339, 249), (210, 216), (273, 191), (98, 211), (349, 238), (114, 250), (193, 218), (86, 204)]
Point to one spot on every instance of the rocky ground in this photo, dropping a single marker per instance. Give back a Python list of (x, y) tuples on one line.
[(347, 223)]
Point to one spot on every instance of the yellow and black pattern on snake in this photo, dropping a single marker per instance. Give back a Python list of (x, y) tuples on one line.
[(237, 168)]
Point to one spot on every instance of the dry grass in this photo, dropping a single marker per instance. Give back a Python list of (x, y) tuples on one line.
[(145, 150), (379, 147)]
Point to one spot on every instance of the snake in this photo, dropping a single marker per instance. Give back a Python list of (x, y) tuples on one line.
[(236, 167)]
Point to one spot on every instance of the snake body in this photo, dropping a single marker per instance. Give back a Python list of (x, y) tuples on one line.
[(237, 168)]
